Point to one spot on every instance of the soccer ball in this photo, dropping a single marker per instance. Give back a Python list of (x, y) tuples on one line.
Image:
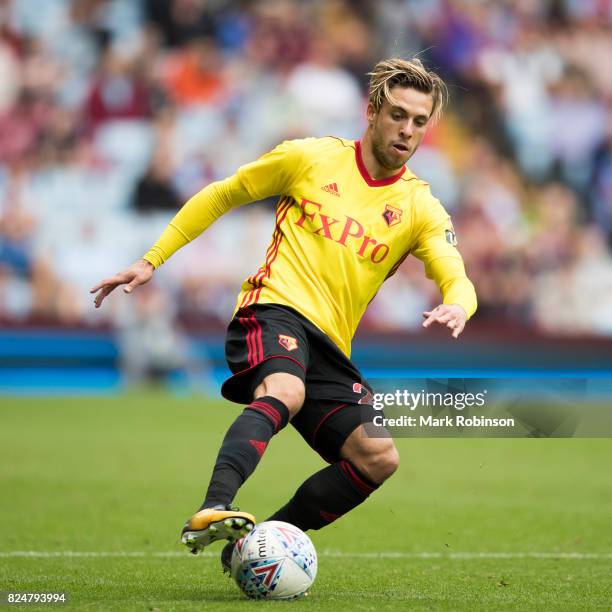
[(274, 561)]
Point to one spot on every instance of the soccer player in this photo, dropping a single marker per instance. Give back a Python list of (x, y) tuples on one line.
[(349, 213)]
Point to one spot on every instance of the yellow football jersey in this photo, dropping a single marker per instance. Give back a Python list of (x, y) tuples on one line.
[(338, 233)]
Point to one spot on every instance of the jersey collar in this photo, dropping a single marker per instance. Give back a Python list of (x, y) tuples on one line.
[(372, 182)]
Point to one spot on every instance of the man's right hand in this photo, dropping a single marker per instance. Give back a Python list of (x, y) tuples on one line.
[(137, 274)]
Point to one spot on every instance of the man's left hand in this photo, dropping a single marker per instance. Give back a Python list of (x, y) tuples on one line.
[(451, 315)]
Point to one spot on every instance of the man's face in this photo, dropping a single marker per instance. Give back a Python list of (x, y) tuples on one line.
[(397, 129)]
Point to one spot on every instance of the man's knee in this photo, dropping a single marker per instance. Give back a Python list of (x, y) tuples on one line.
[(379, 463), (285, 387)]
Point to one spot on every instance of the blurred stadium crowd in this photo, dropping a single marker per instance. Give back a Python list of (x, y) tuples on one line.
[(114, 112)]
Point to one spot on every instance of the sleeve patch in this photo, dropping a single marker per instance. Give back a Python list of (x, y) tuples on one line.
[(451, 238)]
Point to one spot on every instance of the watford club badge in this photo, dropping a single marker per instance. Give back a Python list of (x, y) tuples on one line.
[(392, 215), (287, 342)]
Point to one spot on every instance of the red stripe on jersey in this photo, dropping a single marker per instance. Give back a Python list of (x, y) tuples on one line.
[(254, 279), (271, 255), (245, 298), (282, 208), (268, 271), (283, 205)]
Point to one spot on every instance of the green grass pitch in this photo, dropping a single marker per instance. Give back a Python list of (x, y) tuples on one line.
[(464, 524)]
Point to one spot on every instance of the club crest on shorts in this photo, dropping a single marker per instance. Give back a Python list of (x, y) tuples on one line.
[(392, 215), (287, 342)]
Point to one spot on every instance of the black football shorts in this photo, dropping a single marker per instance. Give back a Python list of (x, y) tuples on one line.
[(267, 338)]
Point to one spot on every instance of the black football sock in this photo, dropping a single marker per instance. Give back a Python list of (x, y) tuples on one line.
[(243, 447), (326, 496)]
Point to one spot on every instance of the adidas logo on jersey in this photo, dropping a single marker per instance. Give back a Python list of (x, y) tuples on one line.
[(332, 188)]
